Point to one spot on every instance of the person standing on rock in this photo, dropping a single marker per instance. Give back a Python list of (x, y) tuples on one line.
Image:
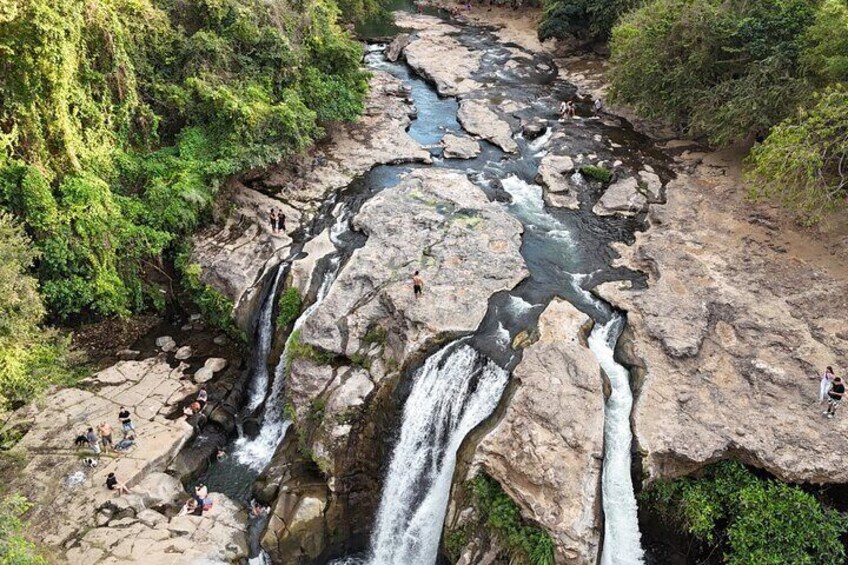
[(126, 421), (836, 393), (273, 220), (281, 222), (93, 441), (105, 431), (598, 106), (417, 285), (825, 384)]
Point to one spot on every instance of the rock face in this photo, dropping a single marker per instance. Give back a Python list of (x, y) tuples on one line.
[(237, 253), (372, 326), (478, 119), (736, 322), (397, 46), (438, 58), (622, 197), (554, 172), (457, 147), (547, 449), (55, 478)]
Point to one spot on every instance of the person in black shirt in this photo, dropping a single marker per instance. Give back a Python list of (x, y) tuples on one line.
[(126, 421), (835, 394), (113, 484)]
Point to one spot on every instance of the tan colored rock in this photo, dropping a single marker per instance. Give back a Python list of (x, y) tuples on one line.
[(732, 330), (547, 449), (215, 364), (183, 353), (457, 147), (303, 269), (396, 47), (553, 175), (623, 198), (479, 119)]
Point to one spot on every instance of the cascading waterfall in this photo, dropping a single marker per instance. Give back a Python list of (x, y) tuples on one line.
[(453, 392), (257, 452), (622, 544), (265, 333)]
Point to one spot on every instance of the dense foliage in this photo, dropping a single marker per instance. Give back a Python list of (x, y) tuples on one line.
[(15, 549), (30, 358), (526, 542), (289, 305), (592, 19), (118, 118), (755, 521)]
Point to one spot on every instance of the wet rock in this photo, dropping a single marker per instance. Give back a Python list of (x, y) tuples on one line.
[(533, 129), (183, 353), (303, 269), (159, 489), (128, 354), (547, 449), (457, 147), (166, 343), (397, 46), (441, 59), (554, 173), (651, 183), (623, 198), (478, 119), (295, 531)]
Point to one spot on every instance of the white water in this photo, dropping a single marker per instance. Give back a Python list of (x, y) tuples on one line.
[(259, 383), (257, 452), (621, 526), (453, 392), (529, 207)]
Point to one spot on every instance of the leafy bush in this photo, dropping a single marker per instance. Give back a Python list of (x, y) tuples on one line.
[(31, 359), (710, 67), (300, 350), (592, 19), (503, 517), (15, 549), (596, 173), (289, 306), (757, 521), (802, 162)]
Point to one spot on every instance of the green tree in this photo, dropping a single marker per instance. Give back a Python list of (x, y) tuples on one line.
[(15, 549), (804, 161), (756, 521), (593, 19), (712, 67)]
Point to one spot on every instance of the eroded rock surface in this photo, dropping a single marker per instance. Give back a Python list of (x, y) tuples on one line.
[(479, 119), (554, 173), (737, 317), (547, 449), (237, 253), (622, 197), (457, 147)]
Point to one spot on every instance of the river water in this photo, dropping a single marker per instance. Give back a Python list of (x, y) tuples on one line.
[(458, 387)]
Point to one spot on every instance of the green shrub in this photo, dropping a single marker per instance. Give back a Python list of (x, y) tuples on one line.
[(596, 173), (503, 518), (710, 67), (216, 308), (300, 350), (15, 549), (376, 335), (756, 521), (801, 163), (289, 306), (592, 19)]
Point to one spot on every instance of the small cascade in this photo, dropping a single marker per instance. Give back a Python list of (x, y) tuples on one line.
[(258, 387), (455, 390), (622, 545), (257, 452)]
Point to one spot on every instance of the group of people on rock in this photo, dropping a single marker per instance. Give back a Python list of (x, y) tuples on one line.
[(568, 109), (832, 391), (277, 220), (101, 437), (199, 403), (198, 503)]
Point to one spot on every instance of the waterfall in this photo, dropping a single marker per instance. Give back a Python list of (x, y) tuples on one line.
[(265, 332), (257, 453), (453, 392), (621, 525)]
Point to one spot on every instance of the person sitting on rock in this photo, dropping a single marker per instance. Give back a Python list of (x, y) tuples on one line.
[(836, 393), (201, 491), (257, 510), (417, 284), (113, 484), (191, 409), (193, 506), (825, 383), (93, 441), (202, 398)]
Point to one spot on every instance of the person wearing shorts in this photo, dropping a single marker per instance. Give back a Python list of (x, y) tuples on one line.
[(836, 392), (417, 284)]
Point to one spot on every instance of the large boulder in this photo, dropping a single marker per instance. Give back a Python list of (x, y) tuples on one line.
[(457, 147), (553, 175), (547, 449), (397, 46), (479, 119), (622, 197), (737, 320)]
